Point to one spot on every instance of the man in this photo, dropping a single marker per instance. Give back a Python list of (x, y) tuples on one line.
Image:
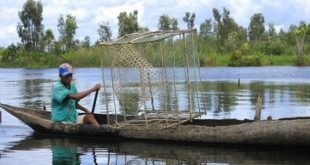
[(65, 99)]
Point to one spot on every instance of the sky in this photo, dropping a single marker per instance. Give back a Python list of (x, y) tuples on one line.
[(89, 13)]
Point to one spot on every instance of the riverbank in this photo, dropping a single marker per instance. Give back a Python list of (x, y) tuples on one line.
[(90, 57), (83, 57), (266, 60)]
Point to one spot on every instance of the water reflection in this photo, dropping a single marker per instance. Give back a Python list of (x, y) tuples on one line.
[(90, 151), (64, 152), (32, 92)]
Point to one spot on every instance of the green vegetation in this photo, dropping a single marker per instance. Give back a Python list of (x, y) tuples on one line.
[(82, 57), (283, 60), (220, 40)]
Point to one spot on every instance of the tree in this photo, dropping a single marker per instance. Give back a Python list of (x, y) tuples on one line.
[(283, 36), (190, 20), (229, 35), (291, 36), (30, 29), (127, 23), (300, 33), (48, 39), (256, 27), (207, 40), (62, 33), (70, 29), (61, 28), (11, 52), (167, 23), (164, 23), (67, 29), (216, 14), (104, 32), (271, 30), (206, 28), (86, 42), (174, 24), (273, 45), (57, 48)]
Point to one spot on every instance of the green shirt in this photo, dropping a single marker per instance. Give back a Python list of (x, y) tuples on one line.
[(63, 108)]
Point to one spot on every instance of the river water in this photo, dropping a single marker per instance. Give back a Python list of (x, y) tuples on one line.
[(285, 93)]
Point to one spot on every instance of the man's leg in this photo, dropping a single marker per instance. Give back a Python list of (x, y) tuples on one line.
[(90, 119)]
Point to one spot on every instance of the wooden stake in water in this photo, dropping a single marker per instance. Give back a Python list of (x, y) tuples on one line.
[(258, 108), (44, 106)]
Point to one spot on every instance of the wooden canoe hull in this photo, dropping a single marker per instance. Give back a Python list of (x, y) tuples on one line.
[(36, 119), (293, 132)]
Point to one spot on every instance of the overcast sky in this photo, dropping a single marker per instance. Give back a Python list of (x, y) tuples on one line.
[(90, 12)]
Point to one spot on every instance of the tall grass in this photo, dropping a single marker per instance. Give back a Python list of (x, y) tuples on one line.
[(282, 60), (82, 57)]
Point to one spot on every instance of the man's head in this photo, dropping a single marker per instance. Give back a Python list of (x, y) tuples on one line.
[(65, 73)]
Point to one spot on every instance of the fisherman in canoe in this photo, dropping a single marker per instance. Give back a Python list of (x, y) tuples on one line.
[(65, 99)]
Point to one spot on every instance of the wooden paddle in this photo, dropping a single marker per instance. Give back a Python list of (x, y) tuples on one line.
[(94, 104)]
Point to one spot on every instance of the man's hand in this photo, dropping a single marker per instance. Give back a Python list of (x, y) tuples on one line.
[(96, 87), (80, 95)]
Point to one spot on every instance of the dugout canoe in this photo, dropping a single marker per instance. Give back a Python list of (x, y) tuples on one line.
[(282, 132)]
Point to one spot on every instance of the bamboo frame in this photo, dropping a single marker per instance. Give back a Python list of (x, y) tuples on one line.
[(174, 80), (113, 87), (149, 81), (140, 35), (164, 76), (195, 76), (188, 83), (104, 84), (121, 99), (146, 76), (183, 57), (199, 73)]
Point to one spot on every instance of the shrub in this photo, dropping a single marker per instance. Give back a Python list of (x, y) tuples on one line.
[(240, 58)]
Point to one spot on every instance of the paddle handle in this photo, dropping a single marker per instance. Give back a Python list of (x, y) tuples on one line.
[(94, 104)]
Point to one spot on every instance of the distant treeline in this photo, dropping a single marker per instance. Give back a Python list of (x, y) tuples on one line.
[(220, 40)]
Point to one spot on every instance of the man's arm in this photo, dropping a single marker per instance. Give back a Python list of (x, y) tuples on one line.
[(79, 106), (80, 95)]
